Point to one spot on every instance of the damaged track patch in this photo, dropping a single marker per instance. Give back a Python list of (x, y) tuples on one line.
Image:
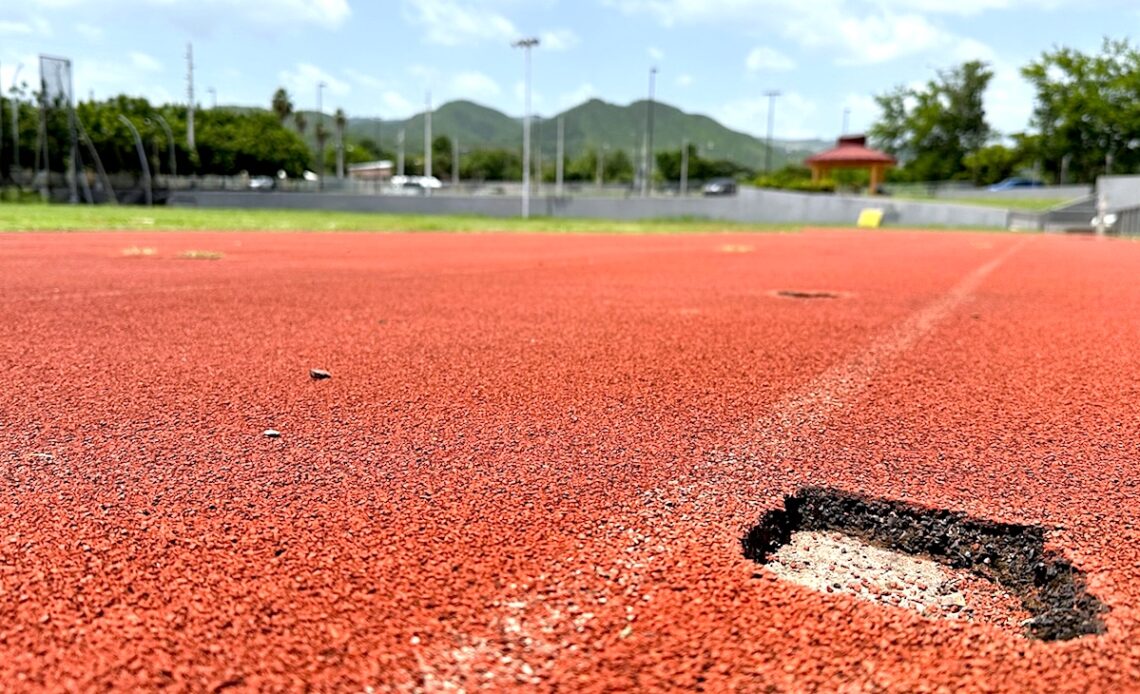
[(802, 294), (1013, 557)]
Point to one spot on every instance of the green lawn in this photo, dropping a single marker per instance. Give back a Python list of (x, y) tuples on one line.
[(1016, 204), (40, 217)]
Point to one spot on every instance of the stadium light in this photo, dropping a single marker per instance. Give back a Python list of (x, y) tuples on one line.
[(647, 163), (526, 44)]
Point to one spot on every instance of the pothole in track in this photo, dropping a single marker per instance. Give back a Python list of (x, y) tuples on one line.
[(806, 294), (942, 564)]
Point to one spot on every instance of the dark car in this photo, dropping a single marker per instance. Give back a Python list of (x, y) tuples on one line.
[(720, 186)]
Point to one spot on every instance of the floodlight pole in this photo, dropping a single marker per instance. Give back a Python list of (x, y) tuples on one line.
[(526, 44), (647, 165), (772, 94)]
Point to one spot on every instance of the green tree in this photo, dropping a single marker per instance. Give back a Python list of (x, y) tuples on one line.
[(282, 104), (992, 164), (933, 129), (441, 155), (1086, 111), (300, 122)]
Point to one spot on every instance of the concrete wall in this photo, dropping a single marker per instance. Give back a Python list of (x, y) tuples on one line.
[(1042, 193), (750, 205), (1122, 191)]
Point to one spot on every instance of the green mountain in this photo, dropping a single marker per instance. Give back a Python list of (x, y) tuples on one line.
[(591, 124)]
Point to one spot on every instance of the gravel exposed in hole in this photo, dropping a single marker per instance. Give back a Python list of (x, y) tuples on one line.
[(1013, 557), (831, 562)]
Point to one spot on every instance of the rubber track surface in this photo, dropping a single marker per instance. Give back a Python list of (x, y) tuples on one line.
[(536, 455)]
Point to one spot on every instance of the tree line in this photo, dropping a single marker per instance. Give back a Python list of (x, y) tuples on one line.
[(1085, 121)]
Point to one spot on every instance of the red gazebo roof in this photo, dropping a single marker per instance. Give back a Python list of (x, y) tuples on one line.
[(851, 150)]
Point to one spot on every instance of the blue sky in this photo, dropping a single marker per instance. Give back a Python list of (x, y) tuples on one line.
[(715, 57)]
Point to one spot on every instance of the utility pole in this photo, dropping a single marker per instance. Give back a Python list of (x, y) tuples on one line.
[(213, 97), (321, 135), (455, 163), (846, 119), (647, 167), (559, 168), (427, 138), (16, 120), (190, 98), (684, 167), (400, 153), (526, 44), (771, 94)]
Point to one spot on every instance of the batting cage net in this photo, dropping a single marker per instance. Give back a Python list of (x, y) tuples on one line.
[(59, 166)]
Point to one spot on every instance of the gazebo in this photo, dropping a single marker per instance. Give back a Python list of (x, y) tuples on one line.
[(851, 152)]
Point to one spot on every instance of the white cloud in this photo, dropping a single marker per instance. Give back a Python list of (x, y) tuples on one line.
[(1009, 100), (364, 79), (684, 80), (301, 82), (450, 23), (763, 58), (277, 14), (584, 92), (750, 115), (396, 105), (111, 78), (89, 31), (144, 63), (558, 40), (475, 85), (10, 28)]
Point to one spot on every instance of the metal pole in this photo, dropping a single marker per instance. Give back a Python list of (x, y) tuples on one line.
[(771, 124), (648, 166), (846, 120), (190, 142), (526, 44), (400, 153), (321, 134), (213, 97), (142, 159), (559, 168), (427, 141), (16, 120), (684, 166)]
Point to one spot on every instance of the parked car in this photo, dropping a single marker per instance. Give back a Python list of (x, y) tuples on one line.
[(1016, 182), (262, 183), (720, 186)]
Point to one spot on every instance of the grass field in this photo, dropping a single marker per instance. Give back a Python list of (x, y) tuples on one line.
[(39, 217), (1017, 204)]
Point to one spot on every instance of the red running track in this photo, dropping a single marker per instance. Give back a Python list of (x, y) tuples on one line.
[(537, 455)]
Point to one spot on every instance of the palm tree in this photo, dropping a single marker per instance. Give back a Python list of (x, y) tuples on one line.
[(301, 122), (282, 105)]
